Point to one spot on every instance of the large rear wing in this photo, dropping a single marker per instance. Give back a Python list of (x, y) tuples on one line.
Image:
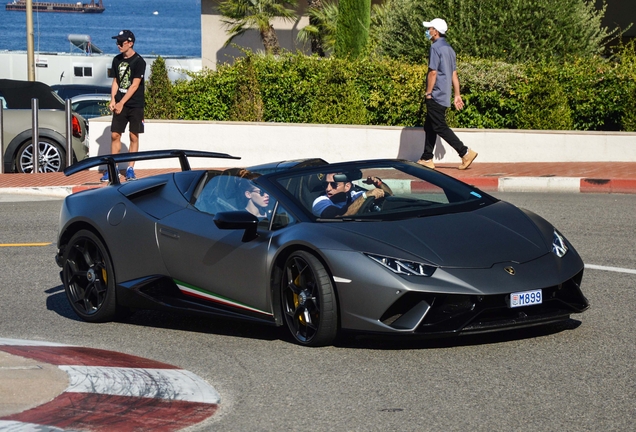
[(112, 160)]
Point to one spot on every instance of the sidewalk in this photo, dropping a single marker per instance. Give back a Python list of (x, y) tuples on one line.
[(574, 177)]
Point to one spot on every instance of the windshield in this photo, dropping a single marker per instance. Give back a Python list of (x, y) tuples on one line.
[(346, 192)]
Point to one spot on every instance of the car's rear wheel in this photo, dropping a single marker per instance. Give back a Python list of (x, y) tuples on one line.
[(89, 278), (308, 300), (51, 158)]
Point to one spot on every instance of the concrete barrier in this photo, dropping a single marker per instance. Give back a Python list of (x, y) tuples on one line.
[(258, 143)]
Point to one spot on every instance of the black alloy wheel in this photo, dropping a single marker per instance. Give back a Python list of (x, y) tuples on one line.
[(309, 301), (88, 277), (50, 159)]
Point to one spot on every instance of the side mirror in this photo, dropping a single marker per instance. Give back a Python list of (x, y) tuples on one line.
[(238, 220)]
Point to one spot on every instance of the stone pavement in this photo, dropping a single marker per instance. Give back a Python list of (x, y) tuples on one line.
[(597, 177)]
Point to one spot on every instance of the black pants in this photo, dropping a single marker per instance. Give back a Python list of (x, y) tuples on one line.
[(434, 125)]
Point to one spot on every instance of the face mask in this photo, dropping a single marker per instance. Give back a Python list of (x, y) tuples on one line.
[(428, 35)]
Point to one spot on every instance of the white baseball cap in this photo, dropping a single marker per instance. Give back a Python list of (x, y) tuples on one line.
[(438, 24)]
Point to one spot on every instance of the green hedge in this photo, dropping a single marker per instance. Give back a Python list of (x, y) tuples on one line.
[(581, 94)]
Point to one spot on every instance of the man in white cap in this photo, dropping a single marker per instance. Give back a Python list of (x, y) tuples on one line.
[(442, 74)]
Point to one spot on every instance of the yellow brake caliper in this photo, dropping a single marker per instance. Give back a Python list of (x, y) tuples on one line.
[(301, 318)]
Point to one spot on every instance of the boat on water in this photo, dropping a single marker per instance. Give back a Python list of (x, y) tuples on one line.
[(78, 7)]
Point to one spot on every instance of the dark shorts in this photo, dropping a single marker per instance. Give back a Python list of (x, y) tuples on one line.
[(132, 116)]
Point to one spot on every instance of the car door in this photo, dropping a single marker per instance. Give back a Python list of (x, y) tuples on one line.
[(214, 264)]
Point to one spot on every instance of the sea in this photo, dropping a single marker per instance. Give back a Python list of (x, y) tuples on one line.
[(161, 27)]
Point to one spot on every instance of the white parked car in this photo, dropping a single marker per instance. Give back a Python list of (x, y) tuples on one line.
[(91, 105)]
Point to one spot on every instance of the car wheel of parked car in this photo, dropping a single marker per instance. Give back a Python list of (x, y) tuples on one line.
[(309, 301), (89, 278), (51, 158)]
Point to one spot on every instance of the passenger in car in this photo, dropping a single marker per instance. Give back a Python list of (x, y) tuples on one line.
[(257, 199)]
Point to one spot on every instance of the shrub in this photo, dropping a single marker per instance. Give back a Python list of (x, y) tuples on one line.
[(247, 104), (207, 96), (626, 76), (490, 92), (590, 94), (160, 102), (544, 102)]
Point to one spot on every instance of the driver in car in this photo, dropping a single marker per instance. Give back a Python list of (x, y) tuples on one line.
[(340, 200)]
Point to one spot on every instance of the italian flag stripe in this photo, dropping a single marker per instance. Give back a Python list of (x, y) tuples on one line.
[(205, 295)]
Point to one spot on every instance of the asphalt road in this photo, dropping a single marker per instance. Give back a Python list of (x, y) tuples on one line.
[(575, 377)]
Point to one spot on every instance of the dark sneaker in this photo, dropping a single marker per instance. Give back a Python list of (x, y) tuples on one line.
[(467, 159), (105, 177), (130, 174)]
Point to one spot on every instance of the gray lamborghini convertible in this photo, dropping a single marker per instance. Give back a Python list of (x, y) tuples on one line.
[(378, 246)]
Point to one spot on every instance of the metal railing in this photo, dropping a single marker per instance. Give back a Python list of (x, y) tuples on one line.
[(69, 132), (35, 134)]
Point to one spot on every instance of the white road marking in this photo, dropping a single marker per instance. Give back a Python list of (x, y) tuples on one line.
[(612, 269)]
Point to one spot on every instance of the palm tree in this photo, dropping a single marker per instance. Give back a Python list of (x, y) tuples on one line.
[(321, 31), (243, 15), (314, 21)]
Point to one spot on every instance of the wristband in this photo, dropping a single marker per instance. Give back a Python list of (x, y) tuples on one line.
[(364, 195)]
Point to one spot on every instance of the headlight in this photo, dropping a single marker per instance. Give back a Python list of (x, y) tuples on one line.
[(404, 267), (558, 245)]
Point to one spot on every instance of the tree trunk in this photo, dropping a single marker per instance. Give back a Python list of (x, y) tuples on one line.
[(270, 41), (316, 41)]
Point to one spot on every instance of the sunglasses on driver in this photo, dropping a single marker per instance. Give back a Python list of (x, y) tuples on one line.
[(333, 184)]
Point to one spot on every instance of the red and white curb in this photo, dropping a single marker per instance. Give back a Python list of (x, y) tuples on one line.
[(529, 184), (565, 184), (485, 183), (112, 391)]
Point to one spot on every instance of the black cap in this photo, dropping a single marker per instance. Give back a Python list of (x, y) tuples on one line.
[(125, 35)]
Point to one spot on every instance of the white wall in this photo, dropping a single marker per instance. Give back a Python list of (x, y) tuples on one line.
[(259, 143)]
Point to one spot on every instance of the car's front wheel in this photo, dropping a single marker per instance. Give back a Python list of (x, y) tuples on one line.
[(51, 157), (308, 300), (89, 278)]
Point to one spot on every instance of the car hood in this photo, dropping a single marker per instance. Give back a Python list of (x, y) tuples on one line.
[(478, 239)]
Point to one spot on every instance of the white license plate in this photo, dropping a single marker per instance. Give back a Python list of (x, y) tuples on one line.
[(526, 298)]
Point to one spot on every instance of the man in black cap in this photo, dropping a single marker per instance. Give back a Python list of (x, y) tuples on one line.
[(127, 98)]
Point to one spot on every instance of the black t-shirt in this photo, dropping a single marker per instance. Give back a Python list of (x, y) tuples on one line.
[(125, 71)]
